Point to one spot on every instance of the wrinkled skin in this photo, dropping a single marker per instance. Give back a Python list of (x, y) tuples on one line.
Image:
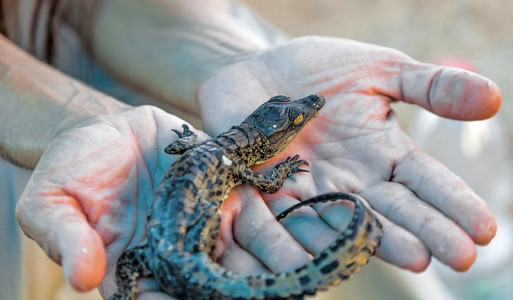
[(89, 195), (356, 145)]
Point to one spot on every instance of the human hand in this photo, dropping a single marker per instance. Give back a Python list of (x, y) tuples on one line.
[(89, 196), (354, 145)]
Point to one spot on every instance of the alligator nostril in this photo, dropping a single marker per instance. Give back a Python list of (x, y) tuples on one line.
[(318, 100)]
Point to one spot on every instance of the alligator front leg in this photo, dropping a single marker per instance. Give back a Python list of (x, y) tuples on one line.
[(273, 182), (186, 140)]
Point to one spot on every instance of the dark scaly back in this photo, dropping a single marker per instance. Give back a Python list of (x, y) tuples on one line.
[(185, 220), (184, 224)]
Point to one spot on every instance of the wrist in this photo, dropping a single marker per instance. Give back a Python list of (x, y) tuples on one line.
[(23, 142), (38, 103)]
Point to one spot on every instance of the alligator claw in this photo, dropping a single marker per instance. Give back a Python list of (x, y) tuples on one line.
[(178, 133), (186, 131)]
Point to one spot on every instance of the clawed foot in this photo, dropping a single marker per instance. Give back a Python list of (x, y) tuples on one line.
[(294, 163), (186, 140), (272, 183), (185, 133)]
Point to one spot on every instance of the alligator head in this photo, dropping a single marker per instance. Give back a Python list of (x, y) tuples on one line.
[(280, 119)]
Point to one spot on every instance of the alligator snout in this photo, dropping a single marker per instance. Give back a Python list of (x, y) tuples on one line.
[(317, 101)]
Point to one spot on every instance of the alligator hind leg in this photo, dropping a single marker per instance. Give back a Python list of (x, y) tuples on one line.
[(131, 265), (186, 140)]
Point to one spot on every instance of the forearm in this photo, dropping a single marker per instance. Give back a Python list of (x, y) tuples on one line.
[(167, 48), (37, 103)]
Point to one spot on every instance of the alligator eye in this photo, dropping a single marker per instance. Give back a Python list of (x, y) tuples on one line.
[(298, 119)]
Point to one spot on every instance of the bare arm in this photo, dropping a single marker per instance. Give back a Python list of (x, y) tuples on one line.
[(167, 48), (72, 132), (38, 102)]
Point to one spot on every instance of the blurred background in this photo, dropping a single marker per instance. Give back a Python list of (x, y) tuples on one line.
[(474, 34)]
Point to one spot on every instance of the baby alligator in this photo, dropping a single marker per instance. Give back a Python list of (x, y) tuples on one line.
[(184, 223)]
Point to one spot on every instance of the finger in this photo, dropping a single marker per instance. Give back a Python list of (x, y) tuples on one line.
[(228, 253), (398, 246), (238, 260), (56, 223), (434, 183), (448, 92), (257, 231), (444, 239), (401, 248)]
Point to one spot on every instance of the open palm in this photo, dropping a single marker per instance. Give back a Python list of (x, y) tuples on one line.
[(90, 193), (89, 196), (355, 145)]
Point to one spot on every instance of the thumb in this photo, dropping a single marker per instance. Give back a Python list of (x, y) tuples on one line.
[(82, 255), (55, 221), (446, 91)]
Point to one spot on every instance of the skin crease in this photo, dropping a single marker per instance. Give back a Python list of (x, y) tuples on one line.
[(370, 115), (354, 145), (339, 150)]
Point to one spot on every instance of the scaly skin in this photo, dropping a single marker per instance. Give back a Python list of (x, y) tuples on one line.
[(184, 224)]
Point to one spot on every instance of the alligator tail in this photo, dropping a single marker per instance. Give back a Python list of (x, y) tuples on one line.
[(343, 258)]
